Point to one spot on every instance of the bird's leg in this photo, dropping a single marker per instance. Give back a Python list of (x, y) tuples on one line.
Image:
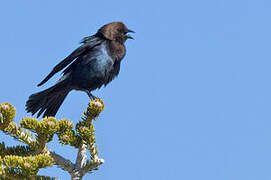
[(92, 97)]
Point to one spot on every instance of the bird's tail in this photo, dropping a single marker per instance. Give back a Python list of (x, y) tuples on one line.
[(48, 100)]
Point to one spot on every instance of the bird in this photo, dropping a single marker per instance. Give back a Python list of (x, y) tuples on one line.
[(95, 63)]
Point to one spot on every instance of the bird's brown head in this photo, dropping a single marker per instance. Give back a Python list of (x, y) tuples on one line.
[(115, 31)]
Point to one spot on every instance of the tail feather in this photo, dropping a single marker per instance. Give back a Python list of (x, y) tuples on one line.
[(46, 105), (47, 101), (53, 108)]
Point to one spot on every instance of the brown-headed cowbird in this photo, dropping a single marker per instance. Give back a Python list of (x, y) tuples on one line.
[(95, 63)]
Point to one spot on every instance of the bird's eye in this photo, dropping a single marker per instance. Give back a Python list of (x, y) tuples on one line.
[(119, 30)]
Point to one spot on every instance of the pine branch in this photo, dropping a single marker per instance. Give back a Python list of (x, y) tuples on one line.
[(7, 114), (23, 167), (85, 135), (15, 150), (25, 161)]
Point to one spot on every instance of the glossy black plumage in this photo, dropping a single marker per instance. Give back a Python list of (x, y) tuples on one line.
[(95, 63)]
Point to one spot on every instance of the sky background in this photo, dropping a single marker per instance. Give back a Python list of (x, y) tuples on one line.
[(193, 97)]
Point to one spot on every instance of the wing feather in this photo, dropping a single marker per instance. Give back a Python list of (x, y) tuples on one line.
[(88, 43)]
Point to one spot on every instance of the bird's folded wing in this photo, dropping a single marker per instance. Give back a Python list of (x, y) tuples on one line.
[(88, 43)]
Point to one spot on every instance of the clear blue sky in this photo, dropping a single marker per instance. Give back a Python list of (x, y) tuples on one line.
[(192, 100)]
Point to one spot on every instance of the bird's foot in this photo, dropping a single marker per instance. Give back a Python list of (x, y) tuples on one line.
[(91, 96)]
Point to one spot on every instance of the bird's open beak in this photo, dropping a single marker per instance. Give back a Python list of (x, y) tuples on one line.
[(127, 36), (130, 31)]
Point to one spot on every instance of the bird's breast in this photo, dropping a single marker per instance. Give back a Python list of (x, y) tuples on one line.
[(103, 61)]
